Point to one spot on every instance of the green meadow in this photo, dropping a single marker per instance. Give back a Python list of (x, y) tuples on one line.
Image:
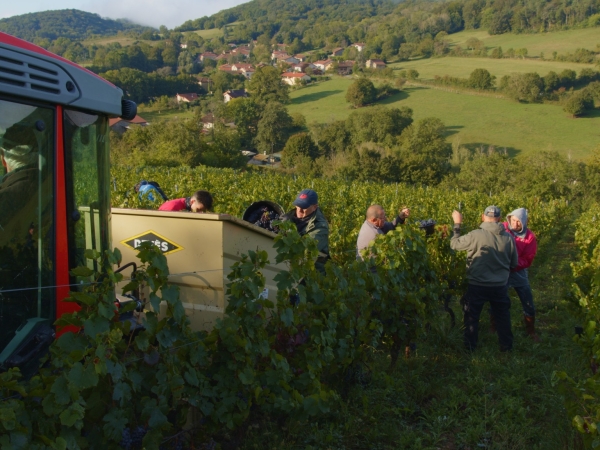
[(462, 67), (556, 41), (472, 120), (166, 114)]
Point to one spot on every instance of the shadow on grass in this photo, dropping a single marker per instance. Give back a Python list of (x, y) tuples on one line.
[(592, 114), (452, 129), (484, 146), (315, 96)]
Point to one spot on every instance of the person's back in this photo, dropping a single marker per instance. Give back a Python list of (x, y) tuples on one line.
[(490, 253)]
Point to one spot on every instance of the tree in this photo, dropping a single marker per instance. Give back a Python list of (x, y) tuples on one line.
[(299, 145), (378, 124), (273, 128), (424, 153), (245, 113), (361, 92), (481, 79), (576, 105), (266, 86)]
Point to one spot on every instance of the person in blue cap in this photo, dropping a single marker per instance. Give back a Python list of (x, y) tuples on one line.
[(309, 219)]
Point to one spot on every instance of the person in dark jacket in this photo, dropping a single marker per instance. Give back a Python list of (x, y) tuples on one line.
[(375, 224), (516, 225), (309, 220), (491, 254), (201, 201)]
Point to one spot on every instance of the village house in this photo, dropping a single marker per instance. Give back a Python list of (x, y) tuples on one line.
[(291, 60), (241, 51), (186, 98), (207, 55), (301, 67), (337, 51), (345, 67), (208, 121), (375, 64), (121, 125), (323, 65), (279, 56), (293, 78), (226, 68), (205, 82), (300, 57), (243, 69), (233, 94), (360, 46)]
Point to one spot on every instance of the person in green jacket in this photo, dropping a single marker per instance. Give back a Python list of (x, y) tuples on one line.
[(491, 254), (309, 220)]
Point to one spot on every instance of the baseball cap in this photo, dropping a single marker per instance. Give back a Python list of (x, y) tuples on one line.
[(306, 198), (492, 211)]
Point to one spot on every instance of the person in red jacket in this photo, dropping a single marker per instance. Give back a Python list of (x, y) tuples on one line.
[(516, 225), (201, 201)]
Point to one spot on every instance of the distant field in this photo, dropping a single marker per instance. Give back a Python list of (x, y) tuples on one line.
[(167, 114), (559, 41), (209, 34), (472, 120), (123, 40), (462, 67)]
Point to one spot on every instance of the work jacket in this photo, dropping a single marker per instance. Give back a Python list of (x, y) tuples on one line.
[(491, 253), (526, 249)]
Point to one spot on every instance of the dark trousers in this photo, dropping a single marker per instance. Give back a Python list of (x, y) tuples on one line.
[(472, 303)]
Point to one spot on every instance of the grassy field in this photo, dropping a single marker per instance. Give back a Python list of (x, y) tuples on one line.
[(472, 120), (462, 67), (167, 114), (209, 34), (123, 40), (559, 41)]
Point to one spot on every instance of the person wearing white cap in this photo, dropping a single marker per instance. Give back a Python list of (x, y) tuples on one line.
[(491, 254)]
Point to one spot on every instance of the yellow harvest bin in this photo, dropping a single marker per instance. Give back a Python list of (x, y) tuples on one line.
[(200, 250)]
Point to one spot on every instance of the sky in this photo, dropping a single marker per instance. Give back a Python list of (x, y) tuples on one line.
[(155, 13)]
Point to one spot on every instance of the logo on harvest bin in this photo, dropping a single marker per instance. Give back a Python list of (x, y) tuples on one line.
[(165, 245)]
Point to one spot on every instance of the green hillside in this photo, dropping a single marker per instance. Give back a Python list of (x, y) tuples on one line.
[(462, 67), (556, 41), (472, 120), (69, 23)]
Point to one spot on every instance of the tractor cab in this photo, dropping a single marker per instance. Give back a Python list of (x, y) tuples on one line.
[(54, 188)]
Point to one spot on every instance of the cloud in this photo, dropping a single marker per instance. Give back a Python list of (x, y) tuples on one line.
[(170, 13)]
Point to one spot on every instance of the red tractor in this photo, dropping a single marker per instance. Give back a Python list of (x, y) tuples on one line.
[(54, 191)]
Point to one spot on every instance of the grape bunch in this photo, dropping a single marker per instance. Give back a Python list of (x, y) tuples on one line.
[(132, 439), (126, 441), (266, 219)]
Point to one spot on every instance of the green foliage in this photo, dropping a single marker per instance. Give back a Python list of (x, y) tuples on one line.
[(273, 128), (424, 153), (481, 79), (378, 124), (581, 393), (299, 145), (266, 86), (361, 92), (68, 23)]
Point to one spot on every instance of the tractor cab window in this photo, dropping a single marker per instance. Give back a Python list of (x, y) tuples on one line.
[(26, 221), (88, 189)]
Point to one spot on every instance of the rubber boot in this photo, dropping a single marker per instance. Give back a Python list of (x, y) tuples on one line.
[(530, 328)]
